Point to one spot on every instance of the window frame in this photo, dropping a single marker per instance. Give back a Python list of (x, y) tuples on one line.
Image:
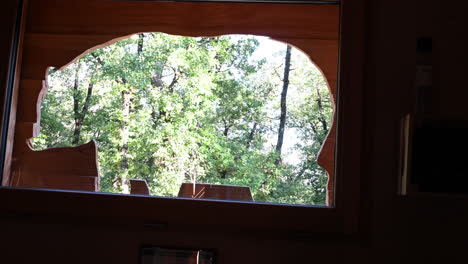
[(232, 216)]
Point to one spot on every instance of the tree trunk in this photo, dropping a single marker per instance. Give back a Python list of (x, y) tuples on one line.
[(80, 116), (226, 131), (322, 119), (284, 93), (126, 98), (251, 135), (126, 109), (76, 102), (141, 38)]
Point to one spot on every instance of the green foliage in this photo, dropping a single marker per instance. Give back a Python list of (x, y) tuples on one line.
[(200, 109)]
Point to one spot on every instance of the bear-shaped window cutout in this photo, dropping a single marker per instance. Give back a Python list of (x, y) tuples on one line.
[(237, 117)]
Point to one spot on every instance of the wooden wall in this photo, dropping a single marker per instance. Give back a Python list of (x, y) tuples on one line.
[(59, 32), (411, 229)]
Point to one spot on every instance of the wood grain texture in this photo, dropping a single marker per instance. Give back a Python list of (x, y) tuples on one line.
[(215, 191), (139, 187), (30, 111), (191, 19), (71, 168), (59, 32)]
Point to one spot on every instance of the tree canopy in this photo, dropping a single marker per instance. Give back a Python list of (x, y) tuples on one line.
[(171, 109)]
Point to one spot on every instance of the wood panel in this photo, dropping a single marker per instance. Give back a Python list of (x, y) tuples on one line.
[(31, 110), (70, 168), (202, 215), (139, 187), (88, 17), (58, 32), (215, 191)]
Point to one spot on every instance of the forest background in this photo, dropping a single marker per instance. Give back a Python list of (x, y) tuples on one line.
[(237, 110)]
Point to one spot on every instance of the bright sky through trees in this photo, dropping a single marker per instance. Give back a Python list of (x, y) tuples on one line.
[(171, 109), (273, 51)]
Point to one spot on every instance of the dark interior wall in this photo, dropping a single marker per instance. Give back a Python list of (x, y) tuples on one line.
[(416, 229), (451, 57), (6, 29), (420, 228)]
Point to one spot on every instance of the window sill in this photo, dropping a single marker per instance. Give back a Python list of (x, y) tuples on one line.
[(140, 212)]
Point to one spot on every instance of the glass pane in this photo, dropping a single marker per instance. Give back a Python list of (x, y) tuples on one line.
[(235, 117)]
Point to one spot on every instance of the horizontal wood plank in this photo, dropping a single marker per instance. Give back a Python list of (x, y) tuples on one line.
[(187, 19), (60, 168), (174, 213)]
